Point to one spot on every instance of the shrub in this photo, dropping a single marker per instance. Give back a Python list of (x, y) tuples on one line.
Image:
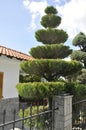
[(80, 91), (40, 90), (36, 119)]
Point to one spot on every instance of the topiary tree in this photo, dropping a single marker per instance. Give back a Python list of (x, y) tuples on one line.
[(49, 63), (82, 77), (80, 54)]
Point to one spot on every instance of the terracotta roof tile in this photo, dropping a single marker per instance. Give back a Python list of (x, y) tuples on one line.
[(14, 54)]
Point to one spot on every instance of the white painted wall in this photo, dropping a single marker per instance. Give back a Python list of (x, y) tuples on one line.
[(10, 68)]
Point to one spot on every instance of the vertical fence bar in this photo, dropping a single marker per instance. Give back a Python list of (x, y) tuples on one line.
[(43, 116), (49, 125), (30, 116), (23, 118), (4, 115), (53, 110), (14, 113), (37, 114)]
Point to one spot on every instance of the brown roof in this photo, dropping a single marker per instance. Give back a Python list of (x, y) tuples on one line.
[(14, 54)]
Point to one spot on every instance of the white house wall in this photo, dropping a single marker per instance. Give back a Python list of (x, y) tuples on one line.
[(10, 68)]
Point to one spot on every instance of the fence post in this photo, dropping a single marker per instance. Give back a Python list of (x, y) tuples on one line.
[(63, 115)]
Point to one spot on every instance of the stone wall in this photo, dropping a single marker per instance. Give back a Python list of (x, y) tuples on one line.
[(9, 105)]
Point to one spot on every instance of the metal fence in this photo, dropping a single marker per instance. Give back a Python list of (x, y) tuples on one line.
[(38, 116), (33, 118), (79, 115)]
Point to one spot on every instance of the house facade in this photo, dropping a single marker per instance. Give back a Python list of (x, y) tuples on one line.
[(9, 71)]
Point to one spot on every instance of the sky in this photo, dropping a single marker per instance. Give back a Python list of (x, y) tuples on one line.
[(20, 19)]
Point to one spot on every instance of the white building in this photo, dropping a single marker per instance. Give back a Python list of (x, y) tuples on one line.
[(9, 71)]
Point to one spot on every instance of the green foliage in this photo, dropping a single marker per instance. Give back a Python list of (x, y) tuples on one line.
[(82, 77), (39, 90), (50, 51), (50, 10), (50, 21), (29, 78), (42, 90), (73, 77), (80, 40), (80, 91), (51, 36), (79, 56), (51, 69), (76, 89), (70, 88), (40, 120)]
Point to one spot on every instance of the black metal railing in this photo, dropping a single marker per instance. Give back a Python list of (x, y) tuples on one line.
[(79, 115), (41, 119)]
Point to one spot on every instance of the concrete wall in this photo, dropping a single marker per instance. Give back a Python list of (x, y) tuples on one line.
[(10, 68), (9, 105)]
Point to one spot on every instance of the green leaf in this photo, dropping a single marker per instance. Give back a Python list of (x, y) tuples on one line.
[(80, 40), (50, 21), (51, 69), (50, 51), (50, 10), (79, 56), (51, 36)]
